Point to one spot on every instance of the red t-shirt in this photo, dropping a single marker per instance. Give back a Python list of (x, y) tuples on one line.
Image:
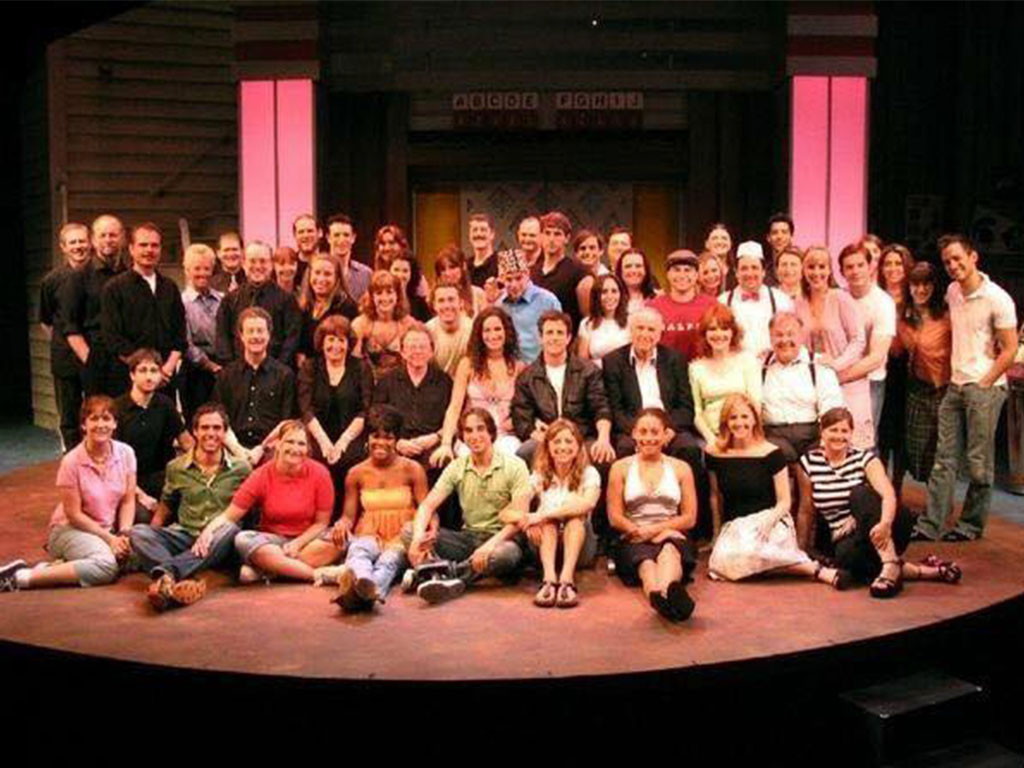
[(681, 321), (289, 503)]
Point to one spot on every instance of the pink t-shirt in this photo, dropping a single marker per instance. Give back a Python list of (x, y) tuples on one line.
[(289, 503), (681, 322), (100, 488)]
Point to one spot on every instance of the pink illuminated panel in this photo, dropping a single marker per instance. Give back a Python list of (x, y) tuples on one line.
[(295, 153), (828, 177), (257, 168), (848, 161), (276, 157), (809, 124)]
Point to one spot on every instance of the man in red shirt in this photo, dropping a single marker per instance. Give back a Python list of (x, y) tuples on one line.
[(683, 305)]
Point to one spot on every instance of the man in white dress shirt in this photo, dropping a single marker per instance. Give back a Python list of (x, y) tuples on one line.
[(752, 302), (795, 390)]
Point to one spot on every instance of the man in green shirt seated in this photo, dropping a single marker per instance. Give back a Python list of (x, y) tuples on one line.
[(200, 483), (488, 483)]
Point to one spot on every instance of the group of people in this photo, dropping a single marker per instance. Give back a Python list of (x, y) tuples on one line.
[(350, 426)]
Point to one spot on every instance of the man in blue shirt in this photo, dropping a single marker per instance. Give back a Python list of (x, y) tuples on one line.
[(523, 301)]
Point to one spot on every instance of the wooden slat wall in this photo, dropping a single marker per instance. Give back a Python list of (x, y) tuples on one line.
[(143, 123)]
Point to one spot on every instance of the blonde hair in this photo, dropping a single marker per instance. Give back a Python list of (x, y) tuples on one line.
[(198, 251), (732, 402)]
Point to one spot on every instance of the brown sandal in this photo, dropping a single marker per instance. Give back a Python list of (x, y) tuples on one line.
[(568, 597), (547, 595)]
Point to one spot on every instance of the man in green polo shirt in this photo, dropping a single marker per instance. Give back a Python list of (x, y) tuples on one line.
[(488, 483), (200, 483)]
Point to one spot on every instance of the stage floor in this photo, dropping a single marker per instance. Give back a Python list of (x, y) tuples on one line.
[(493, 633)]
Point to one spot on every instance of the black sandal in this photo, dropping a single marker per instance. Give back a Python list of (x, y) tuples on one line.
[(949, 571), (883, 587)]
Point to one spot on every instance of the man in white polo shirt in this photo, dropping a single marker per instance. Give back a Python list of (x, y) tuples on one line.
[(984, 323), (752, 302), (878, 311)]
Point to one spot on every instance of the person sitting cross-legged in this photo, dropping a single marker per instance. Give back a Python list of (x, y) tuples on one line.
[(567, 488), (200, 484), (652, 503), (493, 490), (381, 496), (295, 495)]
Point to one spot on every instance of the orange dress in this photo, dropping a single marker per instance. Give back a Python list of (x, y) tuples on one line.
[(385, 511)]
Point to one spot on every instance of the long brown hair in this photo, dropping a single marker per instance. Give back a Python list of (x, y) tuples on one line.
[(380, 282), (544, 464), (477, 350)]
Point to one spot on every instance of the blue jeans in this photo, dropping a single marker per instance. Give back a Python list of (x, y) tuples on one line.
[(366, 560), (975, 410), (169, 550), (459, 546), (877, 401)]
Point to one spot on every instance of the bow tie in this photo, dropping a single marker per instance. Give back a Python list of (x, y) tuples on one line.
[(744, 296)]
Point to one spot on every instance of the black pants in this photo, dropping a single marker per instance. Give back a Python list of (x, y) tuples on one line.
[(855, 552), (196, 389), (67, 391), (686, 447)]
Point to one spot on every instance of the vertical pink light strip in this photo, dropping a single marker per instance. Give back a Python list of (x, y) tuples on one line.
[(256, 172), (296, 174), (808, 191), (848, 161)]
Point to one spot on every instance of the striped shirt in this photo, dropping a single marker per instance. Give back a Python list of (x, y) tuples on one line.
[(831, 486)]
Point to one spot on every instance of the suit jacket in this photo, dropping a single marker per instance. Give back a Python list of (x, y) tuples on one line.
[(583, 397), (623, 389)]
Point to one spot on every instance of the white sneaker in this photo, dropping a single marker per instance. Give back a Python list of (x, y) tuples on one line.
[(328, 575), (439, 590), (249, 575)]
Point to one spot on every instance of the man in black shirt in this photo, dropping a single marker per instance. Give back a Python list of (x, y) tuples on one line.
[(229, 275), (149, 422), (556, 271), (421, 391), (78, 317), (259, 290), (65, 367), (256, 390), (483, 265), (142, 308)]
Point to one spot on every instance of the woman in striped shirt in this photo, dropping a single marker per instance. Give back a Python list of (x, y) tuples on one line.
[(848, 489)]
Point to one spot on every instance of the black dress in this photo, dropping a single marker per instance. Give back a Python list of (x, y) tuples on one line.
[(335, 407), (747, 483)]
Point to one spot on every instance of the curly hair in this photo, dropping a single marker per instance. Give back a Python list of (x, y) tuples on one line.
[(477, 350), (384, 281)]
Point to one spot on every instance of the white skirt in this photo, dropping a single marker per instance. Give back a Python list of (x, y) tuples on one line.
[(741, 551)]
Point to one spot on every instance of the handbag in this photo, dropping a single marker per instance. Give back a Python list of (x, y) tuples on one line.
[(741, 551)]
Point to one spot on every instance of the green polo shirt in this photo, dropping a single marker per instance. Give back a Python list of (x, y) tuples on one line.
[(484, 493), (200, 498)]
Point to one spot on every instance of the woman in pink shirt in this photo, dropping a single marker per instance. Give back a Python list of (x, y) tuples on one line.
[(295, 496), (834, 334), (97, 502)]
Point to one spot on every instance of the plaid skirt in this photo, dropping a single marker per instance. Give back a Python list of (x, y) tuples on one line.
[(922, 422)]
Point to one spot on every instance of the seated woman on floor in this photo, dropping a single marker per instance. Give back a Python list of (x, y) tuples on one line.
[(381, 496), (652, 503), (295, 496), (567, 487), (750, 499), (865, 529), (89, 529)]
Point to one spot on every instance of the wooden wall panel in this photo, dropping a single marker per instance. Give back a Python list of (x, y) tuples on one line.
[(142, 122)]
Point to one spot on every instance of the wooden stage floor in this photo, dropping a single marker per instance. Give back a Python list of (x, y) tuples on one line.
[(492, 634)]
